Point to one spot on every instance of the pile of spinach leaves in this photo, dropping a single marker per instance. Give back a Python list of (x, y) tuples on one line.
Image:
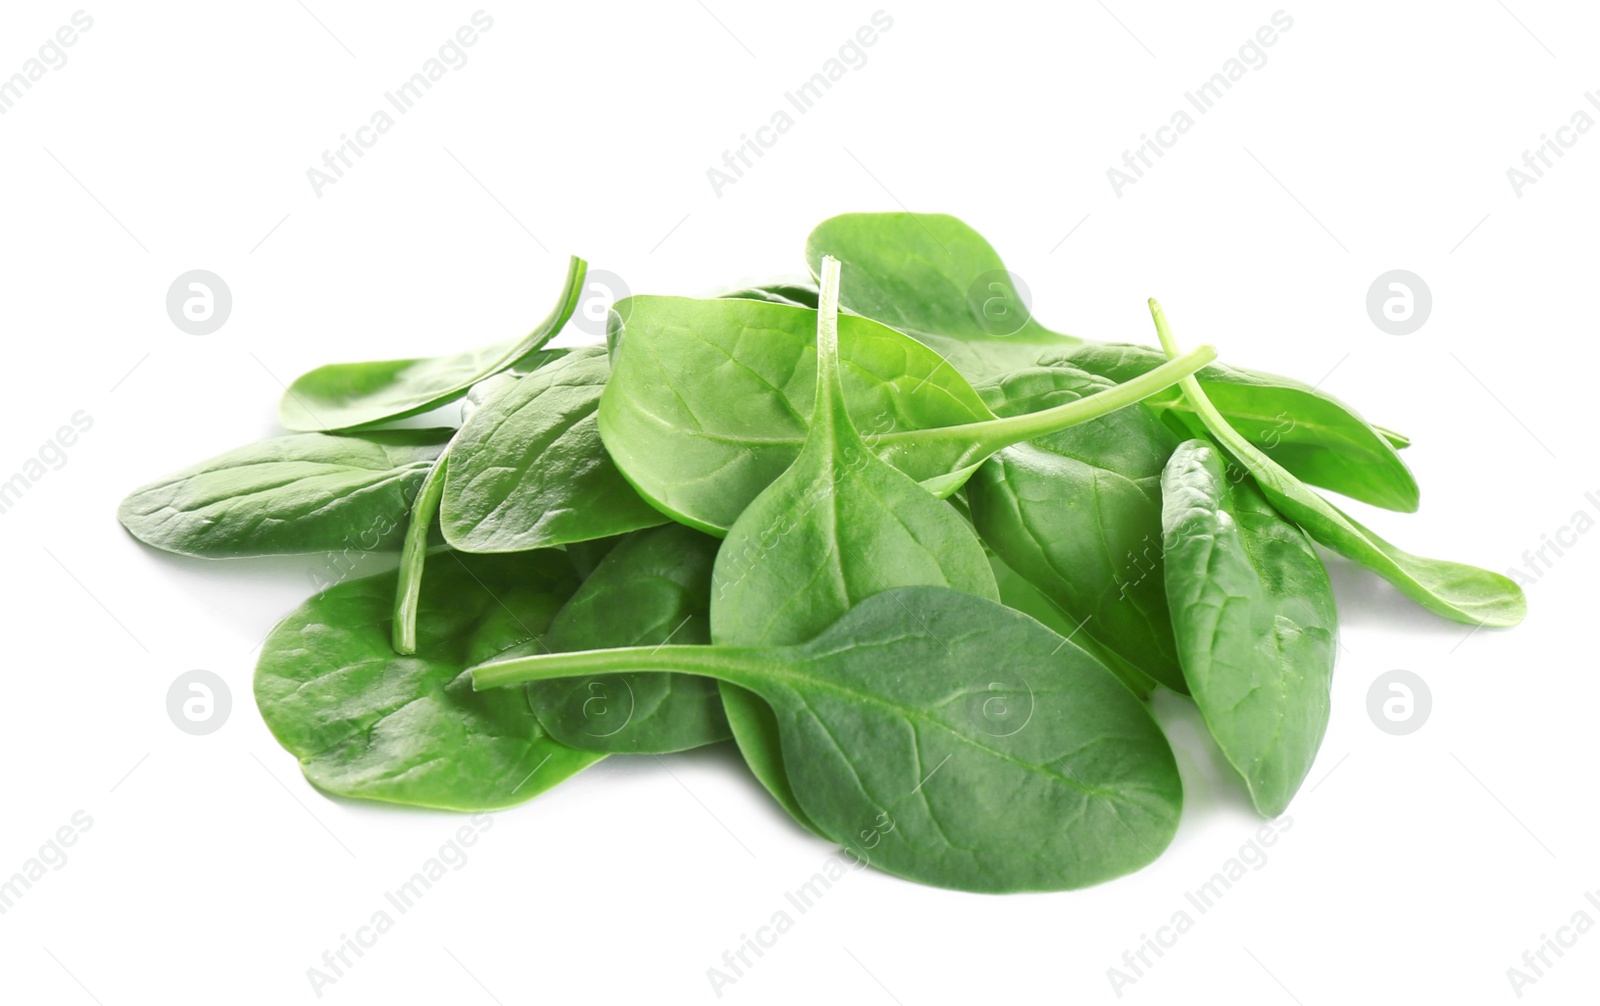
[(921, 558)]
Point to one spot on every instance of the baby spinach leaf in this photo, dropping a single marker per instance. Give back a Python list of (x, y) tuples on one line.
[(342, 396), (957, 557), (1016, 592), (367, 723), (585, 556), (1078, 515), (708, 403), (838, 526), (1456, 591), (839, 521), (1309, 432), (980, 750), (1254, 617), (936, 279), (652, 588), (310, 492), (529, 471), (529, 468)]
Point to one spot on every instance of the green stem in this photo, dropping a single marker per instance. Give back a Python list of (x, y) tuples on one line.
[(991, 435), (726, 663), (415, 555), (1214, 420), (829, 407), (1463, 593)]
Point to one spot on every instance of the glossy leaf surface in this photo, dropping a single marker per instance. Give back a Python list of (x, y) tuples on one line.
[(978, 750), (654, 587), (936, 279), (1078, 515), (365, 722), (528, 469), (1459, 592), (309, 492), (342, 396), (837, 527), (1254, 617), (709, 401)]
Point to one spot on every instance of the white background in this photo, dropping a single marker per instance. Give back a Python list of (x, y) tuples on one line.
[(1377, 136)]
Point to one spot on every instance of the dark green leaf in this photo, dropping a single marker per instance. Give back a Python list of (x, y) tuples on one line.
[(1310, 433), (1078, 515), (708, 403), (1016, 592), (586, 555), (529, 470), (309, 492), (367, 723), (946, 739), (837, 527), (1456, 591), (1254, 617), (342, 396), (652, 588), (936, 279)]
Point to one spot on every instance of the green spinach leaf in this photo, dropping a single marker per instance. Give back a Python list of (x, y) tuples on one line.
[(343, 396), (1309, 432), (936, 279), (1254, 617), (529, 468), (367, 723), (837, 527), (1456, 591), (708, 403), (1078, 515), (310, 492), (529, 471), (1016, 592), (944, 738), (652, 588)]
